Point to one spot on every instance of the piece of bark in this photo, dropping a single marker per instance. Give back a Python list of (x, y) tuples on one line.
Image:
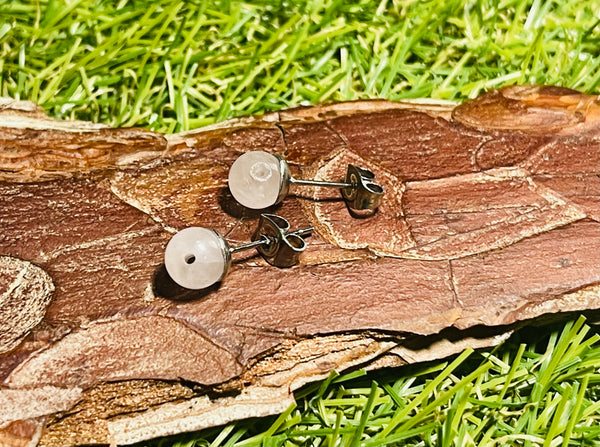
[(491, 217)]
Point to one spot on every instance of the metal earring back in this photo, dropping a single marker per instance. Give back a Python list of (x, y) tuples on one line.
[(197, 257), (258, 180)]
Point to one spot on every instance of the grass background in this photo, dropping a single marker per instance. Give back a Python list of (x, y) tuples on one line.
[(172, 66)]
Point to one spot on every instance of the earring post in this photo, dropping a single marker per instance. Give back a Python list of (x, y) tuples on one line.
[(303, 231), (249, 245), (321, 183), (265, 241)]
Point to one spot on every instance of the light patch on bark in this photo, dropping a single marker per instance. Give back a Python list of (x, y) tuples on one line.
[(37, 123), (18, 404), (25, 292), (298, 363), (584, 298), (15, 106), (444, 347), (197, 414), (433, 107)]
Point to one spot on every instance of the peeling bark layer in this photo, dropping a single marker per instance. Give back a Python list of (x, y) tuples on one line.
[(491, 217)]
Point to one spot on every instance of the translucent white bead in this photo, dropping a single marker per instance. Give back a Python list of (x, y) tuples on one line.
[(255, 179), (196, 257)]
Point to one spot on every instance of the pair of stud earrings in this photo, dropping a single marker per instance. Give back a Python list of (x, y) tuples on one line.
[(197, 258)]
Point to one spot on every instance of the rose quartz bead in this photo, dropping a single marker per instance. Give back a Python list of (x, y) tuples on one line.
[(196, 257), (255, 179)]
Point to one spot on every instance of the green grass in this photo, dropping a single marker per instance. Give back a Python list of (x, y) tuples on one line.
[(173, 66)]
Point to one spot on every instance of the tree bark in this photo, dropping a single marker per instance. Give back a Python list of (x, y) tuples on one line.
[(491, 219)]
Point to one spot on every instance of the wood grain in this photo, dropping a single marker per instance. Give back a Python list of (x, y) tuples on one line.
[(491, 217)]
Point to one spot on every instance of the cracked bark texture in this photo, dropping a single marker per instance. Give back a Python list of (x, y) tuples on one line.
[(491, 218)]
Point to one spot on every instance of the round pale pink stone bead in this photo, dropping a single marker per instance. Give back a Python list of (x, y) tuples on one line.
[(195, 258), (255, 179)]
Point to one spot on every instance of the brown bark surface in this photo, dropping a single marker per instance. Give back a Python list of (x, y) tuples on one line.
[(491, 217)]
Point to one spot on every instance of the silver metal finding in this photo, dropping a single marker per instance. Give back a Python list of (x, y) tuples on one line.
[(359, 188), (276, 244), (364, 194), (273, 240)]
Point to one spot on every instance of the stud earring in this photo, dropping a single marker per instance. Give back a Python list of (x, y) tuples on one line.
[(258, 180), (197, 257)]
